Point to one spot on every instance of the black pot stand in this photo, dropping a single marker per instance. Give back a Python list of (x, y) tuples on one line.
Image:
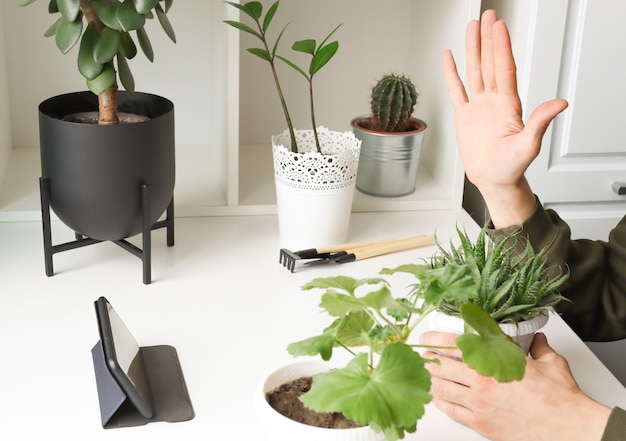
[(144, 254)]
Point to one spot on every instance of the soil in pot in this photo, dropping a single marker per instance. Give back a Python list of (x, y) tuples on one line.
[(285, 400)]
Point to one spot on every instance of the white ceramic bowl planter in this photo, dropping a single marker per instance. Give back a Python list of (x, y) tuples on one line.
[(314, 191), (281, 428), (522, 333)]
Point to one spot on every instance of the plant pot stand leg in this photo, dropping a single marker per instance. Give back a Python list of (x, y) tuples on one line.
[(81, 241)]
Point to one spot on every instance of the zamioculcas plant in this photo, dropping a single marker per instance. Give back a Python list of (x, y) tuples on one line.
[(104, 29), (393, 99), (320, 56)]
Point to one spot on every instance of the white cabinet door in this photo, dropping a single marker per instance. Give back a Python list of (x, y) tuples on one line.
[(576, 50)]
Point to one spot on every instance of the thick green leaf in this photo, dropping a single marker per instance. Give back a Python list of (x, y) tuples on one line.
[(306, 46), (106, 11), (390, 400), (168, 5), (165, 23), (27, 2), (143, 6), (126, 76), (69, 9), (87, 65), (107, 46), (323, 56), (103, 81), (490, 353), (52, 7), (52, 30), (145, 44), (128, 17), (127, 45), (68, 33)]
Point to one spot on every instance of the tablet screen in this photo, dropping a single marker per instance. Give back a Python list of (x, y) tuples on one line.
[(123, 357)]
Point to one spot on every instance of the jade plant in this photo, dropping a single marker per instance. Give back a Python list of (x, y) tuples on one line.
[(320, 54), (103, 28), (393, 99), (386, 386)]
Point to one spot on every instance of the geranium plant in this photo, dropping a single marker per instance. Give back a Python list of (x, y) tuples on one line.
[(386, 386)]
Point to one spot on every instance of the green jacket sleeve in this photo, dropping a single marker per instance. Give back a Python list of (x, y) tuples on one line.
[(616, 427), (596, 286)]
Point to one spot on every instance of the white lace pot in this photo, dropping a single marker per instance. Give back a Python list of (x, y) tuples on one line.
[(523, 333), (314, 191), (281, 428)]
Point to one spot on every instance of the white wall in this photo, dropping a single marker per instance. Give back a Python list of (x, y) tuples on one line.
[(5, 117), (182, 72)]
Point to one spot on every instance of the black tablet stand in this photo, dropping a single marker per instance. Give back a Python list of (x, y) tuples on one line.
[(170, 398), (81, 241)]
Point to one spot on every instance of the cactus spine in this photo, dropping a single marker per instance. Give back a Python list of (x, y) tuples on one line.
[(393, 100)]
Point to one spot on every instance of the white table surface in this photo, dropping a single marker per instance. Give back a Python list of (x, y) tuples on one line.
[(219, 296)]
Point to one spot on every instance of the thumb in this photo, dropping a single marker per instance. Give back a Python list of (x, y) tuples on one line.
[(542, 116), (540, 347)]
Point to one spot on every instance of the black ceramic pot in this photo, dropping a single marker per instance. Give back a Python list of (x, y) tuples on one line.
[(96, 172)]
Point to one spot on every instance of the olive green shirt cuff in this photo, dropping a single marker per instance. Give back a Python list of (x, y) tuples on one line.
[(616, 426)]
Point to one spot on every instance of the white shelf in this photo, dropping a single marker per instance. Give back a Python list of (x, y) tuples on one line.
[(226, 106)]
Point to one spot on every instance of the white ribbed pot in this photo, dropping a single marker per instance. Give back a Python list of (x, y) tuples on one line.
[(281, 428), (314, 191), (521, 333)]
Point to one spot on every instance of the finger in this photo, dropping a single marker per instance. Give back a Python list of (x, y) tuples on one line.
[(456, 90), (540, 347), (443, 343), (448, 369), (540, 119), (455, 411), (472, 54), (486, 49), (504, 62)]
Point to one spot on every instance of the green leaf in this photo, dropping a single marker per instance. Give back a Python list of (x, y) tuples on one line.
[(253, 9), (27, 2), (454, 283), (306, 46), (165, 23), (127, 45), (318, 345), (490, 353), (323, 56), (243, 27), (390, 400), (52, 30), (69, 9), (126, 76), (144, 44), (106, 10), (168, 5), (128, 17), (107, 46), (356, 329), (103, 81), (415, 269), (87, 65), (143, 6), (261, 53), (269, 16), (68, 33), (293, 66)]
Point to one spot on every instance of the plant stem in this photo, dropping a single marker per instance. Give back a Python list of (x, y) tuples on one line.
[(281, 96), (313, 123), (107, 100)]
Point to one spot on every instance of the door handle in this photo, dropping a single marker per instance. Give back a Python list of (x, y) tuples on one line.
[(619, 187)]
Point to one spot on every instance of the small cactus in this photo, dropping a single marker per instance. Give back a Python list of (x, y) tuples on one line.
[(393, 100)]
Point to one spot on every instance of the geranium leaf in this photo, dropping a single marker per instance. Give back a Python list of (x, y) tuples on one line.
[(390, 400), (491, 352)]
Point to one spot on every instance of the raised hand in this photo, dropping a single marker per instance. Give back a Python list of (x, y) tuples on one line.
[(496, 146)]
